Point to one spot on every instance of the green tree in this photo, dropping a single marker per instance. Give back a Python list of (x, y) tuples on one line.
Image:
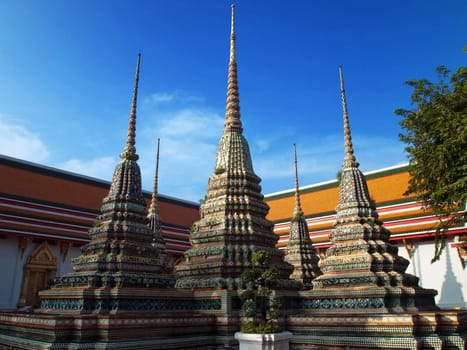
[(260, 304), (435, 134)]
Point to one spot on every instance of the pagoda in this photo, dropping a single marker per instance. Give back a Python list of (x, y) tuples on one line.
[(233, 222), (300, 252), (154, 222), (125, 252), (364, 299), (362, 270), (122, 295)]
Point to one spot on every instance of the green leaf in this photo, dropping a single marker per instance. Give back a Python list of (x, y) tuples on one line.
[(435, 134)]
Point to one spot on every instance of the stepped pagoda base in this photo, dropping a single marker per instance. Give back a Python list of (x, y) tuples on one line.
[(427, 330), (186, 325), (364, 300), (122, 300), (153, 319), (130, 331)]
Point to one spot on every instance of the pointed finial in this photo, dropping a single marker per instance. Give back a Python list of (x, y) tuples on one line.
[(129, 151), (232, 36), (349, 158), (232, 112), (153, 208), (298, 209)]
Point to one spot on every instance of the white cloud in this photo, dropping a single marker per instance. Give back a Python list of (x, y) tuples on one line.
[(159, 97), (190, 131), (176, 96), (192, 123), (187, 161), (261, 145), (189, 137), (101, 168), (19, 142)]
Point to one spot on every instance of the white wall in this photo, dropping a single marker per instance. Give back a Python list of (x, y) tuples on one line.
[(10, 272), (445, 275), (12, 264)]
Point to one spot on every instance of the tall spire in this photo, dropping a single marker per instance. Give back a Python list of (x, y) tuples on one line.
[(300, 252), (120, 253), (153, 214), (362, 264), (154, 208), (349, 159), (154, 222), (298, 209), (232, 111), (129, 151), (232, 36), (233, 224)]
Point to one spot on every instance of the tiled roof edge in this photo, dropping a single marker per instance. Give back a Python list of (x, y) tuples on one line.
[(333, 183), (64, 174)]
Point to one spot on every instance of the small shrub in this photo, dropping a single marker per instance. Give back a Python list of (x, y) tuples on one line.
[(260, 304)]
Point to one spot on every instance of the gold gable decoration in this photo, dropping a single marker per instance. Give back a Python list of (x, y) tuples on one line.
[(39, 269)]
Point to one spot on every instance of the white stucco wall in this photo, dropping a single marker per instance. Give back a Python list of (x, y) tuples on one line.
[(10, 271), (12, 264), (445, 275)]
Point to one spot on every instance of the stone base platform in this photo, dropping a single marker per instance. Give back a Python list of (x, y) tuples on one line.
[(373, 299), (38, 331), (123, 300), (427, 330), (156, 319), (207, 320)]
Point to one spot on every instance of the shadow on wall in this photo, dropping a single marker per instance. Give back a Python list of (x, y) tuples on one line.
[(451, 293)]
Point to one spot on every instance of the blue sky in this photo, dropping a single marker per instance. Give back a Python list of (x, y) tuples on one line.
[(67, 69)]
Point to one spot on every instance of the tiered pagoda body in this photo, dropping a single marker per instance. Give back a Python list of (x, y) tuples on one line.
[(362, 270), (300, 252), (154, 224), (364, 299), (122, 294), (122, 254), (233, 222)]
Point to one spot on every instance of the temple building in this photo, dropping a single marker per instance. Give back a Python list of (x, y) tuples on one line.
[(31, 217), (92, 264)]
